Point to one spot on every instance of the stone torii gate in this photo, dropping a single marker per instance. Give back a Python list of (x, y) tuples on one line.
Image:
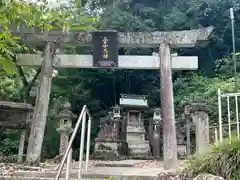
[(163, 40)]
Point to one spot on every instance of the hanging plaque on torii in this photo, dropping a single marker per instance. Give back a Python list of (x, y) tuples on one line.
[(104, 49)]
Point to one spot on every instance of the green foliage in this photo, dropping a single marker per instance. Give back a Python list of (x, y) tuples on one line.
[(222, 160), (23, 14), (8, 142), (139, 15), (9, 88), (196, 88), (51, 142), (9, 146)]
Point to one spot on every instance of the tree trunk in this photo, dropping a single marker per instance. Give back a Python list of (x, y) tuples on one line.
[(41, 107), (167, 106)]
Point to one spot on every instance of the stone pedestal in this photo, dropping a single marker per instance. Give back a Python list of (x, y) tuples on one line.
[(135, 136), (64, 136), (137, 145), (107, 143), (181, 151), (106, 149)]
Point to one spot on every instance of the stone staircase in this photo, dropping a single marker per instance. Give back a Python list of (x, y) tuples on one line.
[(26, 175), (135, 138), (101, 170)]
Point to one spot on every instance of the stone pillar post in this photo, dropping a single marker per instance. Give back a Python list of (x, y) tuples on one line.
[(101, 133), (150, 133), (116, 127), (65, 126), (188, 133), (124, 126), (21, 146), (201, 120), (156, 132), (199, 114), (116, 121)]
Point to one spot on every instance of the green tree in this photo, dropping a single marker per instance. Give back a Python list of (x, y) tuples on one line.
[(99, 88), (16, 14)]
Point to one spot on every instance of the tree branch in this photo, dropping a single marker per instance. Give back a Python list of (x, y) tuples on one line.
[(33, 80), (26, 89), (21, 72)]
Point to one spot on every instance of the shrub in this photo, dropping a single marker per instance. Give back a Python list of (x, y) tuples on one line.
[(221, 160)]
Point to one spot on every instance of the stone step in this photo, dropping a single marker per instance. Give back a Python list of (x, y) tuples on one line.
[(142, 145), (44, 176), (85, 176), (114, 173), (113, 165), (123, 163)]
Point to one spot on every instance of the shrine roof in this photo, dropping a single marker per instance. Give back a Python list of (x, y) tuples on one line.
[(130, 100), (133, 96)]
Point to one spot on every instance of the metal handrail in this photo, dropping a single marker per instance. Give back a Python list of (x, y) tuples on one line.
[(82, 115)]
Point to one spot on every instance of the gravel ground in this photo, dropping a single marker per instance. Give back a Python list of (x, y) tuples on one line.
[(149, 164)]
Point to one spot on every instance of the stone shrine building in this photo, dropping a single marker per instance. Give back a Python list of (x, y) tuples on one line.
[(133, 125)]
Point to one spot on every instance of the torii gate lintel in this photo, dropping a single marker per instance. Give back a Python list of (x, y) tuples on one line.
[(176, 39)]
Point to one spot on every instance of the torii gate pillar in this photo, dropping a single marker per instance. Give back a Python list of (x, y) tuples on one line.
[(167, 106)]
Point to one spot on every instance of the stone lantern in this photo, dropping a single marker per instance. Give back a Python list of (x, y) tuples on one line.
[(116, 121), (116, 112), (34, 90), (157, 118), (65, 126)]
